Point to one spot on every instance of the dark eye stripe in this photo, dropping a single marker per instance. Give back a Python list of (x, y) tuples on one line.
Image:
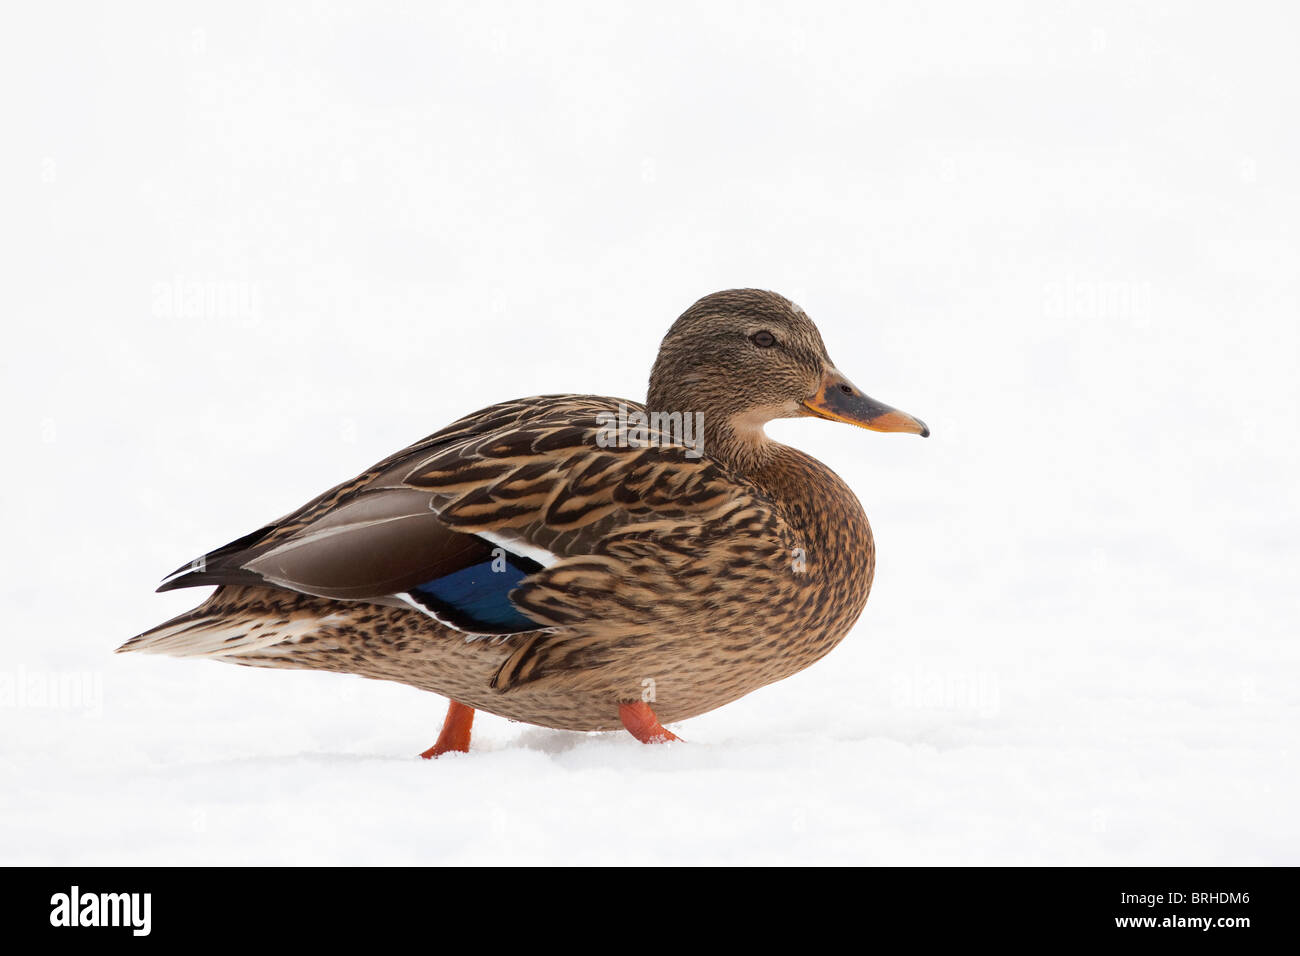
[(763, 339)]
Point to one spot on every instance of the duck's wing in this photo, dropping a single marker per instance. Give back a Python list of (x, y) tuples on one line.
[(456, 524)]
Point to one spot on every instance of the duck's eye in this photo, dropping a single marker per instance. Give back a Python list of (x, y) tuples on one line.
[(763, 339)]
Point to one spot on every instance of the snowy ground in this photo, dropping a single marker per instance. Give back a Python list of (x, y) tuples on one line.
[(248, 253)]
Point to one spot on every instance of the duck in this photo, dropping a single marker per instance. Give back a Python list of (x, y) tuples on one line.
[(575, 561)]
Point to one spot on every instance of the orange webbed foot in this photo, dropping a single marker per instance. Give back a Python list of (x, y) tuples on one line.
[(455, 732), (642, 723)]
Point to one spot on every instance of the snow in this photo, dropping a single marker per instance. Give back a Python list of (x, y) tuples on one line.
[(251, 251)]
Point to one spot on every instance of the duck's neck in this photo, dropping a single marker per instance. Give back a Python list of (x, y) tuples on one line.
[(812, 498), (739, 445), (734, 440)]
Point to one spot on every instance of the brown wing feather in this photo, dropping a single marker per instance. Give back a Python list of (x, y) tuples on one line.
[(383, 559), (529, 472)]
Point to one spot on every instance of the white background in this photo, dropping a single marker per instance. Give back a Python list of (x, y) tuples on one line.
[(249, 251)]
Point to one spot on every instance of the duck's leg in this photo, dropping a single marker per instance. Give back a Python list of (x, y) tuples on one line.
[(642, 723), (455, 732)]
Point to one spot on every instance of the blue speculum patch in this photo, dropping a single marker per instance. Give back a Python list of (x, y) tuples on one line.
[(477, 598)]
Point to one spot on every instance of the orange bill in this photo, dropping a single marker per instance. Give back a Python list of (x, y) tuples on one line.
[(839, 400)]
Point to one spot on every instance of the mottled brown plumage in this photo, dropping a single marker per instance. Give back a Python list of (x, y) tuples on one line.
[(665, 572)]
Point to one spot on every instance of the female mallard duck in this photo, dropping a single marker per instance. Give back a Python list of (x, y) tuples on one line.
[(568, 560)]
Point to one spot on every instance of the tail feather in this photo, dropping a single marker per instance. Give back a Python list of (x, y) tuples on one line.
[(232, 622)]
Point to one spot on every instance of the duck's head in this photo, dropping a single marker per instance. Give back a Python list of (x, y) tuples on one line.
[(745, 357)]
